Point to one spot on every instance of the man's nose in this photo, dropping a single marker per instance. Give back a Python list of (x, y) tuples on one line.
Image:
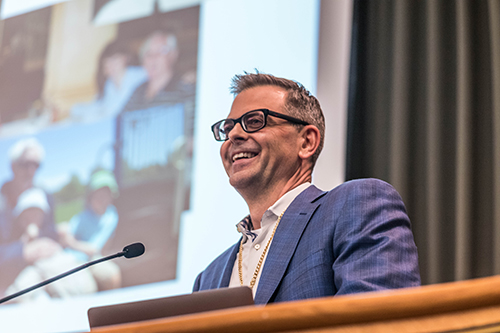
[(237, 133)]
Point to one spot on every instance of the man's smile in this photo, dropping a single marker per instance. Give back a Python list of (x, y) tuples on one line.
[(243, 155)]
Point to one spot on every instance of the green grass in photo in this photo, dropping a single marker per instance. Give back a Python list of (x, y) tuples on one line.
[(65, 211)]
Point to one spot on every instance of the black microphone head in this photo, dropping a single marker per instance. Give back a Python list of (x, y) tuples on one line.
[(133, 250)]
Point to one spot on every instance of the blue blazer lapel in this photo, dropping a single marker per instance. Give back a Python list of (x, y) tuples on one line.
[(225, 278), (285, 241)]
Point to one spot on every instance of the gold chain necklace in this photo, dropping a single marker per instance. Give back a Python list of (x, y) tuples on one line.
[(259, 264)]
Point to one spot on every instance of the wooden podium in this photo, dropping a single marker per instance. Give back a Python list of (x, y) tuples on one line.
[(466, 306)]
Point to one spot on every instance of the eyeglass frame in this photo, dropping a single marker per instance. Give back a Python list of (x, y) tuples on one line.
[(266, 113)]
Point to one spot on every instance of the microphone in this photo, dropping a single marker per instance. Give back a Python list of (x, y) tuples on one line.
[(129, 251), (133, 250)]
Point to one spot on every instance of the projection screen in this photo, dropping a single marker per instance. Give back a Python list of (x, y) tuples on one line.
[(105, 114)]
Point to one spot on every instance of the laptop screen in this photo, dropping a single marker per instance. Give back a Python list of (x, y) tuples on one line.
[(208, 300)]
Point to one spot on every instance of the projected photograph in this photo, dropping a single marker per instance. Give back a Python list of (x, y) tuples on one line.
[(96, 143)]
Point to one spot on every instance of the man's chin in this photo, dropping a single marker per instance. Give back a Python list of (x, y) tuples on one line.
[(240, 181)]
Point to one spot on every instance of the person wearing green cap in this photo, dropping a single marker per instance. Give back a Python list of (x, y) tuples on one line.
[(88, 231)]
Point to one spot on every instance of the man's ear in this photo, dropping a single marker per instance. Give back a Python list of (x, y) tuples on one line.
[(310, 138)]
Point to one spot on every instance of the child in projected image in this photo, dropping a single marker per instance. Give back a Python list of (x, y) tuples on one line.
[(116, 81), (87, 232)]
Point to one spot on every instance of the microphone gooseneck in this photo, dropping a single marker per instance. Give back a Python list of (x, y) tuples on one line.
[(129, 251)]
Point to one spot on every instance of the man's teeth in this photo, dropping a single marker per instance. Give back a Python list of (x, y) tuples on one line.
[(243, 155)]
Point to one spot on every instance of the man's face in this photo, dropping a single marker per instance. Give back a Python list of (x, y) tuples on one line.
[(263, 159), (25, 167), (115, 65), (100, 199), (159, 59)]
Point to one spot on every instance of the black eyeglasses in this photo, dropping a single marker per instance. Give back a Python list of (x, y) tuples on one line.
[(251, 122)]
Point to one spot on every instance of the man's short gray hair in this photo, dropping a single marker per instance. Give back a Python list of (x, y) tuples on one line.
[(299, 101)]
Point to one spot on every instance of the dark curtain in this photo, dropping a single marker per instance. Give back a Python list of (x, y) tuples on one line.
[(424, 115)]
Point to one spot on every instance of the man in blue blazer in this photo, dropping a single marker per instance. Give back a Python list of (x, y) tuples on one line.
[(300, 242)]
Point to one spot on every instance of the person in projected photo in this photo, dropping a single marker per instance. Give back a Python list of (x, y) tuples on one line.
[(28, 215), (166, 91), (298, 241), (165, 85), (18, 250), (117, 79), (84, 238), (88, 232)]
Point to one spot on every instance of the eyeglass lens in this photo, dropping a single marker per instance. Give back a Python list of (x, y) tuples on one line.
[(251, 122)]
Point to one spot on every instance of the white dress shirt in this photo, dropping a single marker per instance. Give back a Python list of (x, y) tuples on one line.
[(252, 250)]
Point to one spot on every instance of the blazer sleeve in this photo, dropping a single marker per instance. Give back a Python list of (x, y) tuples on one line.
[(196, 286), (373, 243)]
